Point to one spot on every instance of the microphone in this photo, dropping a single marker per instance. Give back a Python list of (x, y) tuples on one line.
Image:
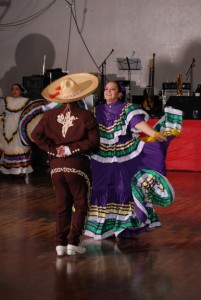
[(111, 52)]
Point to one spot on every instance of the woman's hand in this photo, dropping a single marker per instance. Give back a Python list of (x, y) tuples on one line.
[(148, 130), (160, 137)]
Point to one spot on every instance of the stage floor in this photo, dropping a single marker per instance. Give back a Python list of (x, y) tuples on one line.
[(163, 264)]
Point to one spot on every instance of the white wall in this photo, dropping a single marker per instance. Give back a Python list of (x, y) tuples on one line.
[(170, 29)]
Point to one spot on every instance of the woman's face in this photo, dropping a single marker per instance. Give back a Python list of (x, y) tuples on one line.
[(16, 91), (111, 92)]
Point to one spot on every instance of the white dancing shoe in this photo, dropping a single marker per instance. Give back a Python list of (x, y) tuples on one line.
[(61, 250), (74, 250)]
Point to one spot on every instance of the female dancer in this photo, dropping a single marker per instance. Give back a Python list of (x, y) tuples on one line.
[(128, 172)]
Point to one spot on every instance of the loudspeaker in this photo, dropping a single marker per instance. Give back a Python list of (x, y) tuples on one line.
[(34, 85), (190, 105)]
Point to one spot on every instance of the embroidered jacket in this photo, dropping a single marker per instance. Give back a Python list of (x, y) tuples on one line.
[(68, 125)]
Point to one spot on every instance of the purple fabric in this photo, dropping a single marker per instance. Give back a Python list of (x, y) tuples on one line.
[(129, 233), (106, 114), (111, 181), (137, 119), (152, 157)]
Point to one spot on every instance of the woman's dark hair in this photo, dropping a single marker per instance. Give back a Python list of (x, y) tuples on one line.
[(121, 90), (119, 86), (22, 89)]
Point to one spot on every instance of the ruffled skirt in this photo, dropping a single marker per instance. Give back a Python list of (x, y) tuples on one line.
[(124, 194)]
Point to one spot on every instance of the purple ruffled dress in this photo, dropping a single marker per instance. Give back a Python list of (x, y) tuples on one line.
[(122, 155)]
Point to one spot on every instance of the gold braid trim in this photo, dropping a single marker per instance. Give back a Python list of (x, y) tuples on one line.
[(75, 171)]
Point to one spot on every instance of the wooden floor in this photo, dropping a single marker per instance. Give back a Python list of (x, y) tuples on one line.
[(164, 264)]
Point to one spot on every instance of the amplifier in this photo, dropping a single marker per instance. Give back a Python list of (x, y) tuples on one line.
[(34, 85), (173, 92), (173, 86), (191, 106)]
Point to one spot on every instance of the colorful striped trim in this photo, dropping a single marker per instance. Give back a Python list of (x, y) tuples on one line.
[(110, 135), (17, 160), (29, 118)]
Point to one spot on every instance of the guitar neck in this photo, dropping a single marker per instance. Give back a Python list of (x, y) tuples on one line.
[(151, 76)]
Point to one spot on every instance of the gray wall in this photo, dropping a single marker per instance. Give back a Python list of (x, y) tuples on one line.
[(133, 28)]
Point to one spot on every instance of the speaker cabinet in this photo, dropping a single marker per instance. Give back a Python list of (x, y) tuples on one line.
[(169, 93), (173, 86), (190, 105), (54, 74), (34, 86)]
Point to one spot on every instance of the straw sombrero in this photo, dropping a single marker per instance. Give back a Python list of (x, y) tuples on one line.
[(71, 88)]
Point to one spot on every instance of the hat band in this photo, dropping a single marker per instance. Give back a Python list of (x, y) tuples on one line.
[(63, 96), (70, 95)]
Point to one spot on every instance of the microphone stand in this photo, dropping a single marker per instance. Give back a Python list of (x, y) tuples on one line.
[(129, 79), (103, 76), (190, 72)]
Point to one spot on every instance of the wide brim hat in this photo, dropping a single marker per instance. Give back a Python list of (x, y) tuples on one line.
[(71, 88)]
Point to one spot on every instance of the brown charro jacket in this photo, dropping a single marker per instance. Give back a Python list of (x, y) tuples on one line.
[(68, 125)]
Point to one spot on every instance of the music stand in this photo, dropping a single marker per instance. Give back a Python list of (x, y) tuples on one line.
[(129, 64)]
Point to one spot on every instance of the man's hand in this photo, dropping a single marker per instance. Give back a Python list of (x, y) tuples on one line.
[(60, 151)]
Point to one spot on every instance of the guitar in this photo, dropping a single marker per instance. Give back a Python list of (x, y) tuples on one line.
[(148, 103), (179, 85)]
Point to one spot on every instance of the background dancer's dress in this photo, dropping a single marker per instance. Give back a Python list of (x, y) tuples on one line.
[(16, 157)]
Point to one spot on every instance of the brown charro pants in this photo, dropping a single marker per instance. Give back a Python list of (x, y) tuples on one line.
[(71, 178)]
